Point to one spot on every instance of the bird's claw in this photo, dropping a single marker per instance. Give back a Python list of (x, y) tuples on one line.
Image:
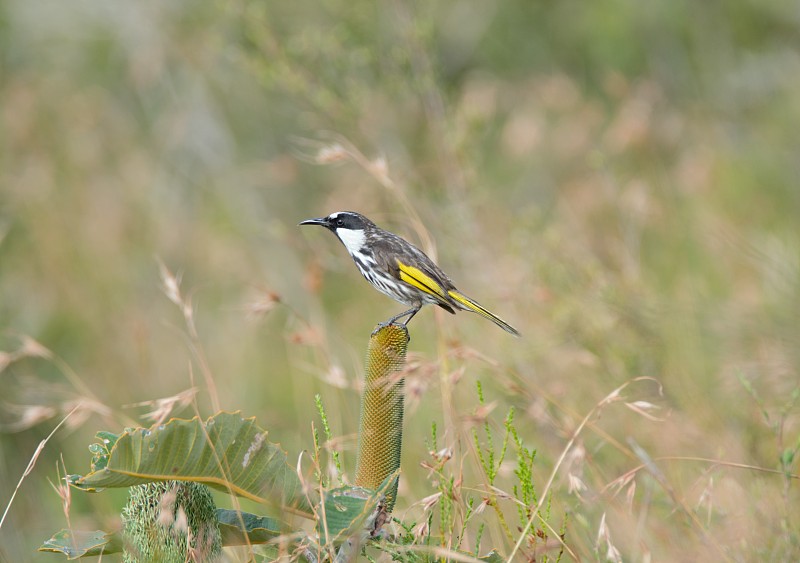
[(387, 324)]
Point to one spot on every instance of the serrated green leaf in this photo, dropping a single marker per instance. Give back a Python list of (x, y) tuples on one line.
[(101, 450), (227, 452), (83, 544), (241, 528), (108, 438), (344, 512), (97, 449)]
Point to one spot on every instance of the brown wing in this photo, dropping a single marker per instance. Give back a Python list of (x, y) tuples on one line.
[(409, 265)]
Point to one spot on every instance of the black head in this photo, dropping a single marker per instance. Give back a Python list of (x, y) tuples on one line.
[(349, 220)]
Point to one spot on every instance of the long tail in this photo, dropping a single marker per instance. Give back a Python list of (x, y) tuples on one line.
[(476, 307)]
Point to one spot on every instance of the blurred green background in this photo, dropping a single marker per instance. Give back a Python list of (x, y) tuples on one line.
[(617, 179)]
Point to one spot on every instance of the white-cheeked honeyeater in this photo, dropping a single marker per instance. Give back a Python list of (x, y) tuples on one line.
[(397, 268)]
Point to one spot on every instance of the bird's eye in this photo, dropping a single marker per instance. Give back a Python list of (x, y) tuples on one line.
[(340, 222)]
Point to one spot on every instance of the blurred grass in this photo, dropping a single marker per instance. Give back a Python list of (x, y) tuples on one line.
[(618, 180)]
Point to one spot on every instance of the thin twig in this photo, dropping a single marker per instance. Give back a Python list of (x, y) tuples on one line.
[(32, 462), (608, 399)]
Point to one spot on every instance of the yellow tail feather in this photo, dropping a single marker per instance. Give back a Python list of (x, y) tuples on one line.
[(471, 305)]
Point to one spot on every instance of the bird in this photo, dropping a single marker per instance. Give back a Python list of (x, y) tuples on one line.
[(397, 268)]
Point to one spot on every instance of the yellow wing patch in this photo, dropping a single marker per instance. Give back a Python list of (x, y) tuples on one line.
[(420, 280)]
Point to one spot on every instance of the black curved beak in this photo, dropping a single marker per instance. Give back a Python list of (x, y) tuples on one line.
[(321, 221)]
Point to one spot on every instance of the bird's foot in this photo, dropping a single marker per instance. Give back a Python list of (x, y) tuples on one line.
[(387, 324)]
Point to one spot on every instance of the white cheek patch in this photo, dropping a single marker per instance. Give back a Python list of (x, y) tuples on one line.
[(353, 239)]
